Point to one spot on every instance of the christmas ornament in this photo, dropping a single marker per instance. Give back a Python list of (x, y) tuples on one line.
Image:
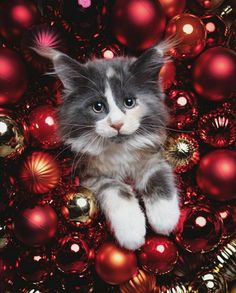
[(33, 266), (228, 216), (216, 174), (199, 229), (6, 274), (80, 208), (213, 74), (73, 255), (138, 24), (43, 126), (172, 7), (167, 75), (182, 151), (158, 255), (183, 108), (232, 36), (96, 235), (36, 225), (16, 16), (172, 288), (78, 283), (13, 77), (210, 4), (142, 282), (216, 30), (106, 51), (115, 264), (4, 237), (217, 128), (40, 172), (12, 140), (191, 34)]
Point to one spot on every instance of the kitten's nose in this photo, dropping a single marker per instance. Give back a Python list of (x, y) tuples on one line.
[(117, 126)]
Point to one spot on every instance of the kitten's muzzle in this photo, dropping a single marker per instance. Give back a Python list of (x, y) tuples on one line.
[(117, 126)]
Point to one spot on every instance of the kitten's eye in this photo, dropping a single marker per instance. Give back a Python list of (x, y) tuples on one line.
[(98, 107), (129, 102)]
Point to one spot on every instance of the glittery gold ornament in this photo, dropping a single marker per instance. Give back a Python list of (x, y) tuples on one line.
[(80, 208), (12, 141), (143, 282), (174, 288), (182, 152)]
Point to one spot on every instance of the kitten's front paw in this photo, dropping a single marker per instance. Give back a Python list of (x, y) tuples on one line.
[(163, 215)]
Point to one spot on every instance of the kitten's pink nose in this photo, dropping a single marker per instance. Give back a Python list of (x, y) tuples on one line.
[(117, 126)]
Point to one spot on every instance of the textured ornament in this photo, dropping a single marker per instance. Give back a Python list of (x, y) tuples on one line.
[(172, 288), (13, 77), (214, 74), (158, 255), (191, 33), (96, 235), (40, 172), (12, 140), (183, 108), (80, 208), (138, 24), (228, 216), (43, 126), (142, 282), (216, 174), (199, 229), (217, 128), (172, 7), (5, 238), (36, 225), (182, 152), (114, 264), (167, 75)]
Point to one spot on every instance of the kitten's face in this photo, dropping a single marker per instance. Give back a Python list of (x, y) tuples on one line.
[(114, 101)]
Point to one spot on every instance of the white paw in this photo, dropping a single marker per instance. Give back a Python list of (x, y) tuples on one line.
[(163, 214)]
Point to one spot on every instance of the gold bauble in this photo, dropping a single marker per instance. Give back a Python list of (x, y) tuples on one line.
[(143, 282), (80, 208), (173, 288)]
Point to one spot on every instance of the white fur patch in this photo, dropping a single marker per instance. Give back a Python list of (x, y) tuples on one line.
[(110, 72)]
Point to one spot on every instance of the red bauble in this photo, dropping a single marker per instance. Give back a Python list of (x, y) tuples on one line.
[(33, 266), (138, 24), (158, 255), (210, 4), (217, 173), (214, 74), (167, 75), (16, 16), (191, 34), (183, 108), (172, 7), (43, 126), (40, 172), (35, 226), (73, 255), (228, 216), (13, 77), (199, 229), (115, 264)]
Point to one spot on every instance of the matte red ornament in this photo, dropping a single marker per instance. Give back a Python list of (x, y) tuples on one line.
[(190, 33), (199, 229), (227, 214), (115, 264), (183, 108), (73, 255), (214, 74), (35, 226), (158, 255), (13, 77), (172, 7), (167, 75), (43, 126), (138, 24), (40, 172), (217, 173)]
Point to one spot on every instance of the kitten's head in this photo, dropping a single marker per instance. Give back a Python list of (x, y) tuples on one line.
[(109, 102)]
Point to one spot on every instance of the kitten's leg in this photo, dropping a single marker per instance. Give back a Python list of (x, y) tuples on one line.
[(157, 187), (122, 210)]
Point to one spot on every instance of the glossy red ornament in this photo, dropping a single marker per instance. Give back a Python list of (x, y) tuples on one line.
[(158, 255), (227, 214), (217, 128), (190, 33), (138, 24), (183, 108), (199, 229), (43, 126), (214, 74), (16, 16), (33, 266), (35, 226), (40, 172), (167, 75), (210, 4), (172, 7), (106, 51), (115, 264), (73, 255), (13, 77), (216, 174)]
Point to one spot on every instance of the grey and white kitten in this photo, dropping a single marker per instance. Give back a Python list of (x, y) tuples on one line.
[(113, 116)]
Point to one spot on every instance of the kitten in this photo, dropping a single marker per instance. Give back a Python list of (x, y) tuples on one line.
[(113, 116)]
